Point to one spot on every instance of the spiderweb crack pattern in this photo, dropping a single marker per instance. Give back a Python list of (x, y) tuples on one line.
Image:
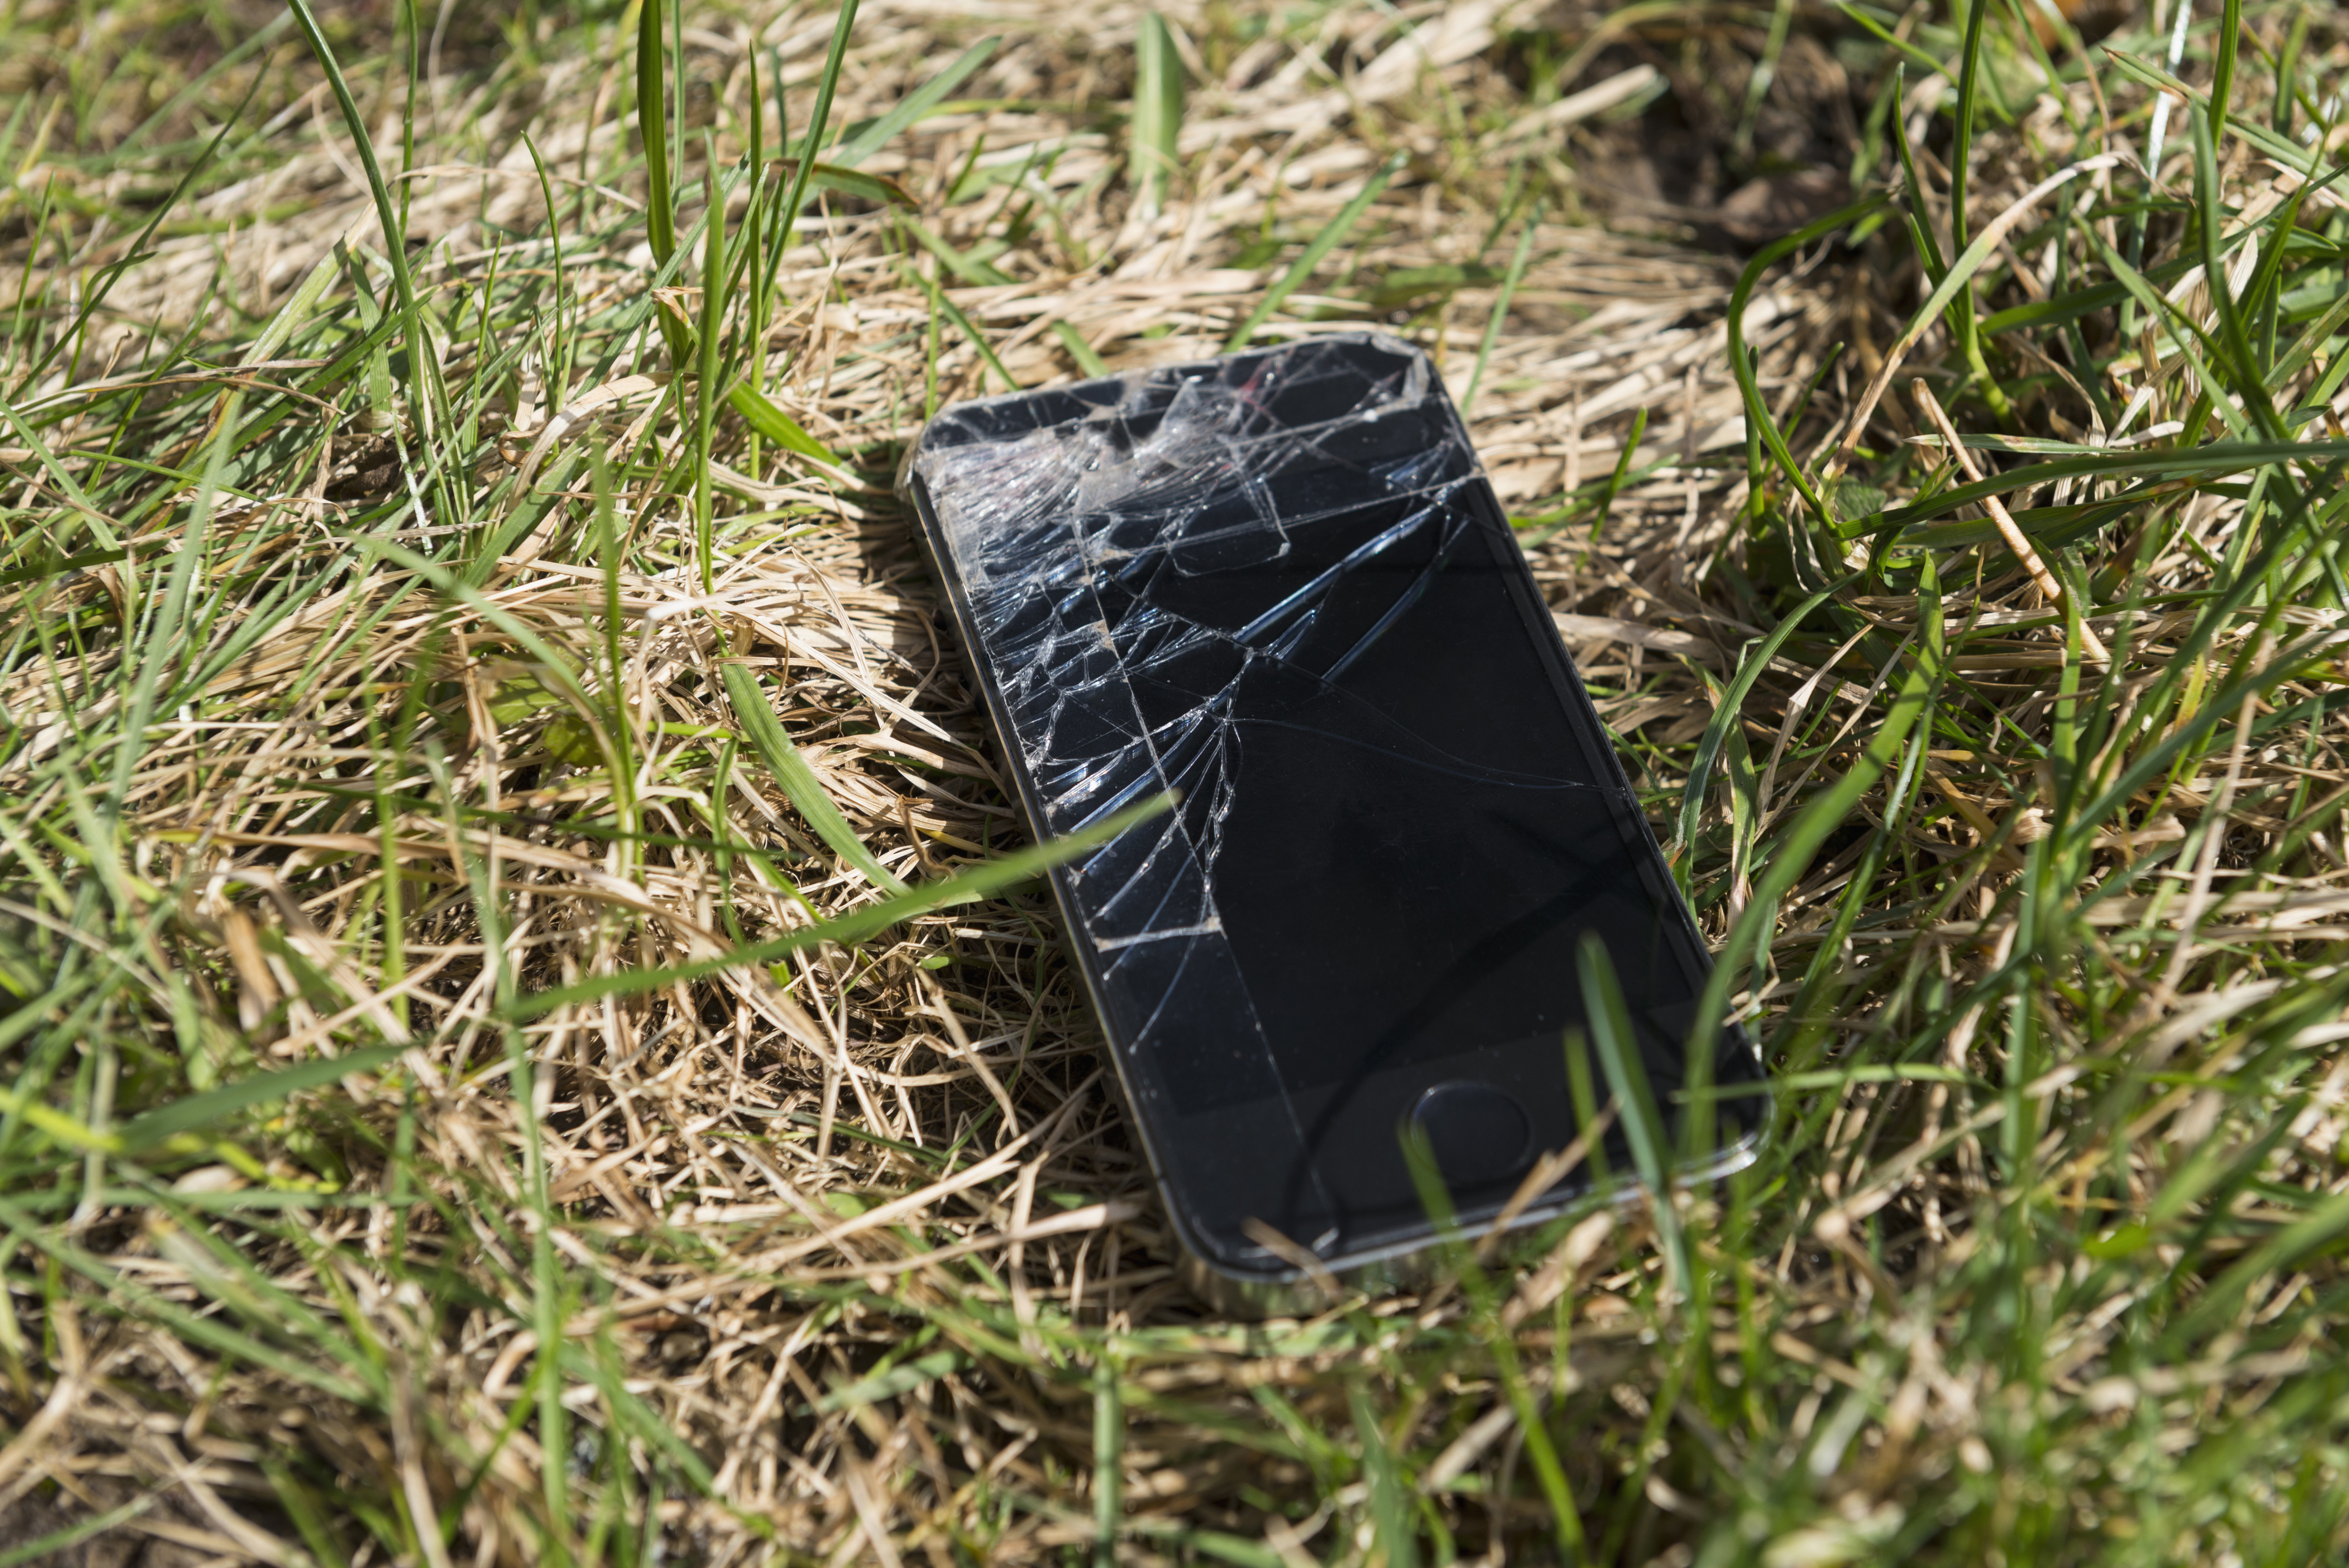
[(1190, 579)]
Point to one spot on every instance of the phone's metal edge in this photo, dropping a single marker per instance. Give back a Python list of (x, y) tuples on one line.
[(1396, 1265), (1403, 1265)]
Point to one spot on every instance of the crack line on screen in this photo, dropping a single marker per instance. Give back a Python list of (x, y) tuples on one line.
[(1078, 542)]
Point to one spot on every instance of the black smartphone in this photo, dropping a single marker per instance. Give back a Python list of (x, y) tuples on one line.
[(1278, 585)]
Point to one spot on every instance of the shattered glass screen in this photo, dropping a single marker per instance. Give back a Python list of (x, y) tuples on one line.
[(1279, 585)]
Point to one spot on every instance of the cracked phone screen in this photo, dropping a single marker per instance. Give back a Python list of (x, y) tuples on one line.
[(1278, 585)]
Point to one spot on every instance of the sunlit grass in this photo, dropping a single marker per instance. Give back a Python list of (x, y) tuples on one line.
[(531, 1033)]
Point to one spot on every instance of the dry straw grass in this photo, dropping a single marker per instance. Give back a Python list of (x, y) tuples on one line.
[(310, 748)]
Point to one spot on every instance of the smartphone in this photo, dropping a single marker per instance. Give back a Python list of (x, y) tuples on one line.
[(1279, 586)]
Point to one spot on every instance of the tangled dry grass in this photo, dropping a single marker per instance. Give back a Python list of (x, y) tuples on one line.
[(372, 713)]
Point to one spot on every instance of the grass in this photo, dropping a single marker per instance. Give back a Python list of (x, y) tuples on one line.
[(530, 1030)]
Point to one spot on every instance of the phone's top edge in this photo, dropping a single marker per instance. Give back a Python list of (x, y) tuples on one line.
[(1385, 342)]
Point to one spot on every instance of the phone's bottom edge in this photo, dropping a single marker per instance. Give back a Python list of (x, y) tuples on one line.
[(1299, 1293)]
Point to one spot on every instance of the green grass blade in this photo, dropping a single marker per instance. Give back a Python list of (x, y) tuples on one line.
[(1108, 1460), (50, 1548), (941, 306), (787, 213), (1155, 118), (192, 1111), (759, 411), (2283, 148), (860, 142), (1729, 712), (753, 712), (424, 405), (1394, 1527), (1518, 260), (981, 882), (1322, 244), (1617, 1043), (2206, 461), (1823, 814), (197, 1327), (1741, 354), (982, 274), (705, 383), (108, 277), (652, 130)]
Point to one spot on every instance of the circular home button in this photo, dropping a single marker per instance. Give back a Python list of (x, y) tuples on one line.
[(1478, 1133)]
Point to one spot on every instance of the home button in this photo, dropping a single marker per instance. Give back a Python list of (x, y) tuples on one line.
[(1479, 1134)]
